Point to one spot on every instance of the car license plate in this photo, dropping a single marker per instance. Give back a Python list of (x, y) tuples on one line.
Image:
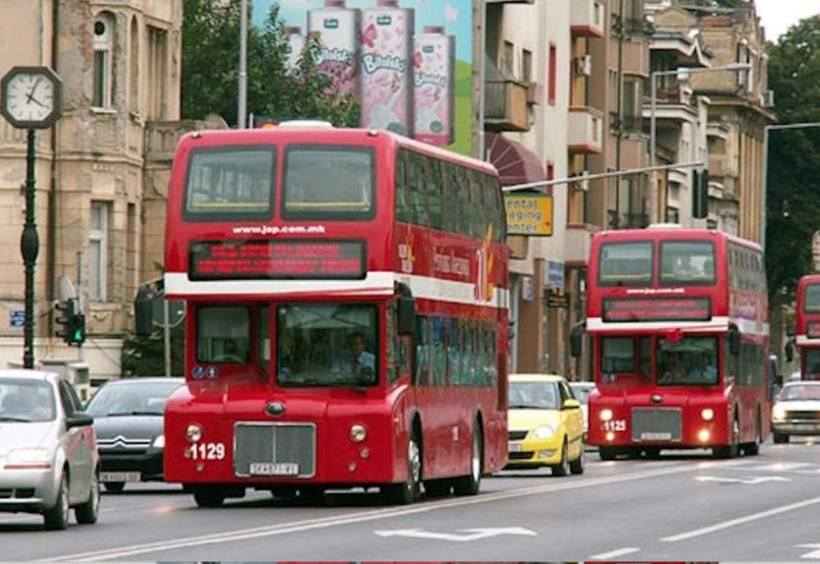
[(656, 436), (274, 469), (515, 447), (120, 477)]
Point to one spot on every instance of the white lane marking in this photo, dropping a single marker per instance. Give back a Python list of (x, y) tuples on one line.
[(612, 554), (742, 520), (758, 480), (463, 536), (814, 554), (373, 515)]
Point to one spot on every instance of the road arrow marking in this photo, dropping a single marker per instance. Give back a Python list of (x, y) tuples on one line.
[(814, 554), (758, 480), (463, 536), (613, 554)]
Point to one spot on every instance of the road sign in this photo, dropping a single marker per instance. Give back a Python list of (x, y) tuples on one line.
[(17, 318)]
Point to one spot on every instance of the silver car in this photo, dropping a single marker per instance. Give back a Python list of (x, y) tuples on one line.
[(48, 450), (796, 411)]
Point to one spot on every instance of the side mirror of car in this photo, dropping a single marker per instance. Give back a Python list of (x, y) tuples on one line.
[(79, 419), (572, 404)]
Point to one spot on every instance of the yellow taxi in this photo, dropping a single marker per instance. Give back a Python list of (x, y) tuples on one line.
[(545, 424)]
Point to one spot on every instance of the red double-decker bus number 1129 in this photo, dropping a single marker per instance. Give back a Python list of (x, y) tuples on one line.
[(208, 451)]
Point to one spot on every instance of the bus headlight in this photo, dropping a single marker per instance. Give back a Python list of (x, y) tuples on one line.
[(708, 414), (358, 433), (193, 433), (778, 413), (606, 414), (543, 432), (703, 436)]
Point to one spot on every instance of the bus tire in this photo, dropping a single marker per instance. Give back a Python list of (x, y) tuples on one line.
[(731, 450), (607, 453), (753, 448), (209, 495), (407, 492), (780, 438), (471, 483)]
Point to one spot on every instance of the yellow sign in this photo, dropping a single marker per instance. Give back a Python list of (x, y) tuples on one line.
[(529, 214)]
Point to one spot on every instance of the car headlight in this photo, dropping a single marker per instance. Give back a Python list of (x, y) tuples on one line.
[(159, 442), (543, 432), (778, 413), (39, 457)]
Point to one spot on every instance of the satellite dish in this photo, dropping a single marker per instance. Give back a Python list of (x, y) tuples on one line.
[(65, 289)]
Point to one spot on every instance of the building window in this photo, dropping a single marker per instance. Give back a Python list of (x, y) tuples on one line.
[(633, 104), (98, 251), (526, 66), (103, 49), (508, 64), (157, 75)]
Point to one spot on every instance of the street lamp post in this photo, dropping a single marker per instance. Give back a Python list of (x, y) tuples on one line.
[(242, 101), (681, 71), (766, 130)]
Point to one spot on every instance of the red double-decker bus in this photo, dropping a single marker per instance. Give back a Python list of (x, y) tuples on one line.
[(807, 334), (680, 333), (347, 299)]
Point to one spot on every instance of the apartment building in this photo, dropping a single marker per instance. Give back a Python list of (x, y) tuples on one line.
[(98, 171)]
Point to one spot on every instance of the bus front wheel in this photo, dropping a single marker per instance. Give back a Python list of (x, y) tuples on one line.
[(207, 495), (407, 492)]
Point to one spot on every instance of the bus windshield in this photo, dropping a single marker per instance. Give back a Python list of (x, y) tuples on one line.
[(626, 264), (324, 182), (689, 361), (687, 261), (327, 344), (811, 302)]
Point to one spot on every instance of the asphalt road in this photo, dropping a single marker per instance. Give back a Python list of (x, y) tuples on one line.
[(681, 507)]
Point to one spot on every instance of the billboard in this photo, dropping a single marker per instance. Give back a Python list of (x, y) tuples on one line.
[(409, 62)]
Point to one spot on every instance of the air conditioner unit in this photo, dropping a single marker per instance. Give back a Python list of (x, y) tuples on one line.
[(767, 99), (583, 65)]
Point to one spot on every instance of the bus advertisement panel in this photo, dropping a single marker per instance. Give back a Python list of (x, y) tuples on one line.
[(348, 321), (679, 325)]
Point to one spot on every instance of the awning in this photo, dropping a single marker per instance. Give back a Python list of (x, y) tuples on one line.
[(515, 163)]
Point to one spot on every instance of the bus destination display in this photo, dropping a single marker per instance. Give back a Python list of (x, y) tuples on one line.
[(256, 260), (657, 309)]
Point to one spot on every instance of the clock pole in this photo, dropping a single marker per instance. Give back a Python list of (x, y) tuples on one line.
[(29, 246)]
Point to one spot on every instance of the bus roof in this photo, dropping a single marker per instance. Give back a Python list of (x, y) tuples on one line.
[(662, 230)]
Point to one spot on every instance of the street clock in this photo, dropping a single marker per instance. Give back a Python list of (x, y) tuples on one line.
[(31, 97)]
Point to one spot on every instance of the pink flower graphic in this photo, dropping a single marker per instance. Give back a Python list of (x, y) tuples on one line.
[(369, 35)]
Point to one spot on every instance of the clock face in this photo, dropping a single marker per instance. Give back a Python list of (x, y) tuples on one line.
[(30, 97)]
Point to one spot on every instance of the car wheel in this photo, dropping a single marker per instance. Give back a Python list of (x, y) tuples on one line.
[(577, 465), (471, 484), (87, 513), (56, 518), (406, 492), (114, 487), (562, 468)]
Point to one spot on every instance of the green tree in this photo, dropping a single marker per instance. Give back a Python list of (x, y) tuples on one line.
[(793, 187), (145, 356), (210, 65)]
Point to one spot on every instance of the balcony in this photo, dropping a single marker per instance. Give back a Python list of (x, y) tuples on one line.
[(585, 130), (505, 106), (587, 18)]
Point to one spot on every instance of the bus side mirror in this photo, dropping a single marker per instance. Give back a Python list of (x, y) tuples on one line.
[(575, 339), (789, 351), (406, 315), (734, 341)]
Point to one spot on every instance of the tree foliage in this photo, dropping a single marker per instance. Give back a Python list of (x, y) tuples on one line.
[(145, 356), (210, 69), (793, 187)]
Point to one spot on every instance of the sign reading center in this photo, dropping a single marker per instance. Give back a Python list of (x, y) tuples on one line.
[(529, 214), (255, 260)]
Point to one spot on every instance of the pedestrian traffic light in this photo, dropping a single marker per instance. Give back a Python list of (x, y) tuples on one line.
[(72, 322)]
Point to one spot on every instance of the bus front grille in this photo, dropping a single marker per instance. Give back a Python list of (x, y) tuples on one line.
[(275, 450), (650, 424)]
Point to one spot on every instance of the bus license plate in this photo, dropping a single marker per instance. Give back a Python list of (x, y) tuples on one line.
[(656, 436), (120, 477), (515, 447), (274, 469)]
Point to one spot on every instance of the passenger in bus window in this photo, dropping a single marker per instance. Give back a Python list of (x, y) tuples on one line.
[(357, 359), (685, 267), (704, 372), (674, 371)]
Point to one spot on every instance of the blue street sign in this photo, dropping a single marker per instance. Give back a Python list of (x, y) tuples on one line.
[(17, 318)]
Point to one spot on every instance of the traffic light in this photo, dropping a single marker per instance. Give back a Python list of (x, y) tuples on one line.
[(72, 321), (700, 193)]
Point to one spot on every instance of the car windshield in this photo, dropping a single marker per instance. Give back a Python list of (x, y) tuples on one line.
[(533, 395), (131, 398), (800, 392), (26, 401)]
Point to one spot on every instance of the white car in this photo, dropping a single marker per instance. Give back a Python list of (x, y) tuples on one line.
[(49, 462), (581, 390), (796, 411)]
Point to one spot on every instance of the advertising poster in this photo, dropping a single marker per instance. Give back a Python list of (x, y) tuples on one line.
[(408, 61)]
